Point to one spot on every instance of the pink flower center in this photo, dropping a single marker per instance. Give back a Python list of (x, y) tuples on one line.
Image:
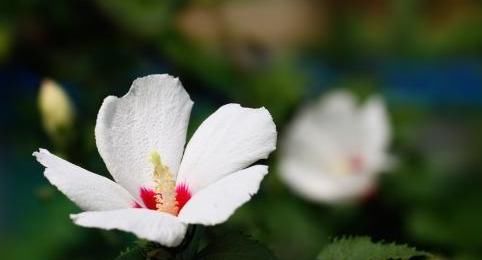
[(148, 196), (356, 163)]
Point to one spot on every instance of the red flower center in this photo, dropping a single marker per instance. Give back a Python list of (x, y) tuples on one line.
[(148, 196), (182, 195)]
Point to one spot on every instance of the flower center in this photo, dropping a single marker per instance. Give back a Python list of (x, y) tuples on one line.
[(356, 163), (166, 196), (352, 165)]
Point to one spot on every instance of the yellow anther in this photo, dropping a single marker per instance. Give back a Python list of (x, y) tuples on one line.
[(165, 186)]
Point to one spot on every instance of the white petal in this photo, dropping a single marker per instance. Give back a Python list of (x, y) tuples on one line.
[(311, 141), (316, 185), (229, 140), (331, 121), (88, 190), (147, 224), (152, 116), (339, 103), (215, 203), (376, 129), (319, 138)]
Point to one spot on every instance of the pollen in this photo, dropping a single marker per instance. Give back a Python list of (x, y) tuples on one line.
[(165, 186)]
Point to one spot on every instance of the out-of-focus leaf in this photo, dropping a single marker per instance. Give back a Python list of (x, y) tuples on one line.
[(266, 218), (453, 224), (235, 246), (364, 248), (144, 18), (278, 86)]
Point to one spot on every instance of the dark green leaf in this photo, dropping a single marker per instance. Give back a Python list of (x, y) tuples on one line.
[(132, 253), (235, 246), (145, 250), (190, 246), (363, 248)]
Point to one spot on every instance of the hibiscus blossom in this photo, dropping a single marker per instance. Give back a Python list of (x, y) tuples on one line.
[(159, 187), (334, 149)]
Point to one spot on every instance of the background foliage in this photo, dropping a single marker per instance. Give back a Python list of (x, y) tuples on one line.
[(423, 56)]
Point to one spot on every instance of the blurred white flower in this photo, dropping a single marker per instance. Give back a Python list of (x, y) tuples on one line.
[(55, 107), (160, 188), (334, 149)]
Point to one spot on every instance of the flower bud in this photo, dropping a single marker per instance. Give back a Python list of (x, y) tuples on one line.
[(5, 41), (56, 109)]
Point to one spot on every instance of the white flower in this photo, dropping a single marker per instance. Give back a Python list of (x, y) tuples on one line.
[(160, 188), (334, 149)]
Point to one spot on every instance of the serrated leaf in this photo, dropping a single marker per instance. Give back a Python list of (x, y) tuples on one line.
[(235, 246), (363, 248)]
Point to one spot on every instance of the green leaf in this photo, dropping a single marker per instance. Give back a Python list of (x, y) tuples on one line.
[(190, 246), (364, 248), (235, 246), (145, 250), (132, 253)]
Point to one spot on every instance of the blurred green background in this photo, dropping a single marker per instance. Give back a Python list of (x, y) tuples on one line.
[(423, 56)]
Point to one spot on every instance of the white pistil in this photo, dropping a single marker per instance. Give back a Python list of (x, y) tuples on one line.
[(165, 186)]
